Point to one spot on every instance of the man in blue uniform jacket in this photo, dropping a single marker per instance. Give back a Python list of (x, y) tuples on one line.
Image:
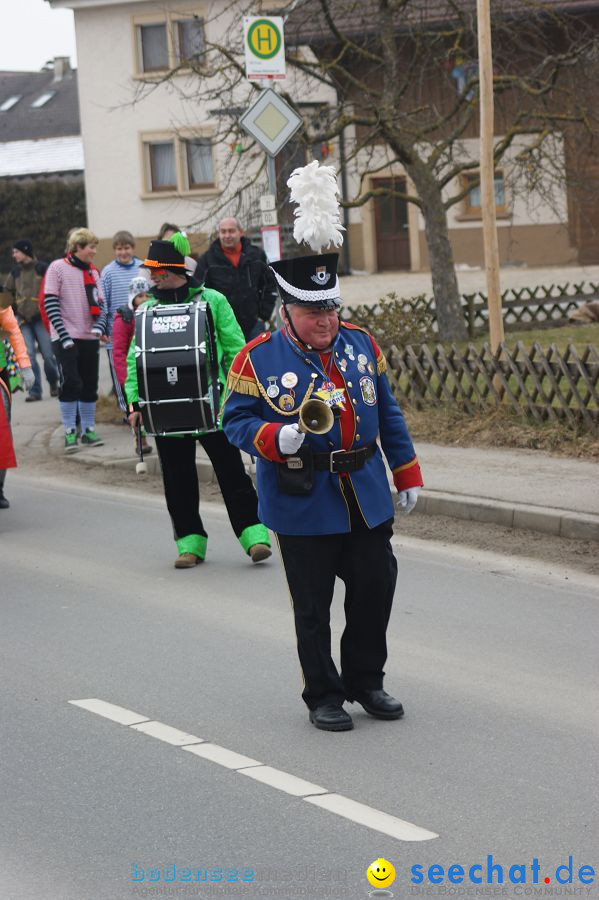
[(327, 496)]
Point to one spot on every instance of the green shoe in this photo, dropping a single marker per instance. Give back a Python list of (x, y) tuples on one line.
[(70, 442), (91, 438)]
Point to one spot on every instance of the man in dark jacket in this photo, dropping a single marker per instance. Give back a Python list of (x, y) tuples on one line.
[(23, 284), (239, 270)]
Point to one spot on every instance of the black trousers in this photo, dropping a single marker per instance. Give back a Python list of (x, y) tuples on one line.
[(181, 486), (364, 561), (78, 368)]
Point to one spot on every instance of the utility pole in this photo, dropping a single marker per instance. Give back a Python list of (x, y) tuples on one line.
[(487, 173)]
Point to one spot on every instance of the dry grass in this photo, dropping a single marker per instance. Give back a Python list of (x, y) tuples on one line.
[(498, 428), (108, 410), (579, 335)]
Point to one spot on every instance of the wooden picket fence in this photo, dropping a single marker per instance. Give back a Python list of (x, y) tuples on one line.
[(543, 306), (543, 385)]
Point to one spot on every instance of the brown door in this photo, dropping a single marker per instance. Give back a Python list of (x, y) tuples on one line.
[(391, 217)]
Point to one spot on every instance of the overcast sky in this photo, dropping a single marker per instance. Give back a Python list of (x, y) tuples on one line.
[(33, 33)]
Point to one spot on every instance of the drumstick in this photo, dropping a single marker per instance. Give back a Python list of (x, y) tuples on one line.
[(141, 467)]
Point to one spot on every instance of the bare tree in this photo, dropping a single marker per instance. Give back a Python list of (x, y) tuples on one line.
[(397, 82)]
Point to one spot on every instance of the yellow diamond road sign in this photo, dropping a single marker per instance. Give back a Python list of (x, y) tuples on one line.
[(264, 47), (271, 121)]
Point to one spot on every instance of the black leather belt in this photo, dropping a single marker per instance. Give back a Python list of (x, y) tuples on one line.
[(344, 460)]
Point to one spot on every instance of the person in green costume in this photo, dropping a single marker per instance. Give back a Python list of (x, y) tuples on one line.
[(171, 284)]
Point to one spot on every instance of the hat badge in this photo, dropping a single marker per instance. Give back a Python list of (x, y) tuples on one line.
[(322, 276)]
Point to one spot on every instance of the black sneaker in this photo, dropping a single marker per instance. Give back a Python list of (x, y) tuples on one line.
[(91, 438)]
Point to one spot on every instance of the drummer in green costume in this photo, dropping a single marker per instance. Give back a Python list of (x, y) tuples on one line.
[(171, 284)]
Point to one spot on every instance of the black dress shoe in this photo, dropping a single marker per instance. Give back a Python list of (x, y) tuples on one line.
[(4, 504), (378, 703), (331, 717)]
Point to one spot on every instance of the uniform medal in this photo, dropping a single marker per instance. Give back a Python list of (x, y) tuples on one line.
[(368, 391), (350, 351), (273, 389)]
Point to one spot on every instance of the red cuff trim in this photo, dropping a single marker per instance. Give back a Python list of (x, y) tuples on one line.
[(266, 444), (407, 476)]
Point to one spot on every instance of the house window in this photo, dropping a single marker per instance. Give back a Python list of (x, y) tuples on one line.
[(472, 201), (162, 166), (190, 40), (153, 47), (200, 170)]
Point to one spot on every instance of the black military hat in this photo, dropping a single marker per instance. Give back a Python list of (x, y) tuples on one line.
[(164, 255), (309, 280)]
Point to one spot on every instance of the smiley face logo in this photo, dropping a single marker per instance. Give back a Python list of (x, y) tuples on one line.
[(380, 873)]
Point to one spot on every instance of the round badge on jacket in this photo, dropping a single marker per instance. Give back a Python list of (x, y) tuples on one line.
[(289, 380), (286, 402)]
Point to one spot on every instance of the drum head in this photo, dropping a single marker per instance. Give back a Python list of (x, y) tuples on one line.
[(176, 368)]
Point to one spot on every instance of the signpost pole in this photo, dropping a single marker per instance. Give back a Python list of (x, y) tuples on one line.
[(272, 176)]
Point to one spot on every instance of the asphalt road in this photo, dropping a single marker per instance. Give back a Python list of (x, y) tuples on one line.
[(496, 665)]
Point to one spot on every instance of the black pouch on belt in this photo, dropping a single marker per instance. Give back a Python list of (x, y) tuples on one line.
[(296, 475)]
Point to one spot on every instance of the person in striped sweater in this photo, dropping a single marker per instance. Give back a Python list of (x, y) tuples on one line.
[(117, 275), (74, 305)]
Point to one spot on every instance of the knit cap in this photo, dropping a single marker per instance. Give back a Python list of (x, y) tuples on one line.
[(137, 285), (24, 245)]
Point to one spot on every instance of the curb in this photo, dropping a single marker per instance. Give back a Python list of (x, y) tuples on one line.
[(557, 522), (128, 463)]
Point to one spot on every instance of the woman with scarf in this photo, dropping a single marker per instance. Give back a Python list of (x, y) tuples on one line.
[(74, 305)]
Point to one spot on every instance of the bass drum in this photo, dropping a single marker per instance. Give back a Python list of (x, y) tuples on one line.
[(177, 368)]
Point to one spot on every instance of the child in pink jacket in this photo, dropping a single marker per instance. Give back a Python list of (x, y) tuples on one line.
[(123, 331)]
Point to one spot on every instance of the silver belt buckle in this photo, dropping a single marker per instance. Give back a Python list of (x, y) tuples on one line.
[(332, 461)]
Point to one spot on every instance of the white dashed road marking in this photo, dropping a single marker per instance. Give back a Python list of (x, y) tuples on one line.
[(110, 711), (283, 781), (372, 818), (275, 778), (223, 757), (166, 733)]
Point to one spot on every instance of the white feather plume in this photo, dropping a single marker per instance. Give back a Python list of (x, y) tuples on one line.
[(314, 189)]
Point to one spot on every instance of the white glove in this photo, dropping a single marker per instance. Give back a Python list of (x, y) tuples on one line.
[(68, 343), (28, 378), (290, 439), (406, 500)]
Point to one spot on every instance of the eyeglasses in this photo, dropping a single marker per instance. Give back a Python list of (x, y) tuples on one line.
[(160, 274)]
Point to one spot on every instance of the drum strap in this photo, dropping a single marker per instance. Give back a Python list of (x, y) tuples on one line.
[(211, 337)]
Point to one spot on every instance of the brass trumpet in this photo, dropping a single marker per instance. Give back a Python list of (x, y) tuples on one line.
[(315, 416)]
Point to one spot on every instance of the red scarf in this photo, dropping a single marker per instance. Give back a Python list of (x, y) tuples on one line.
[(89, 283)]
